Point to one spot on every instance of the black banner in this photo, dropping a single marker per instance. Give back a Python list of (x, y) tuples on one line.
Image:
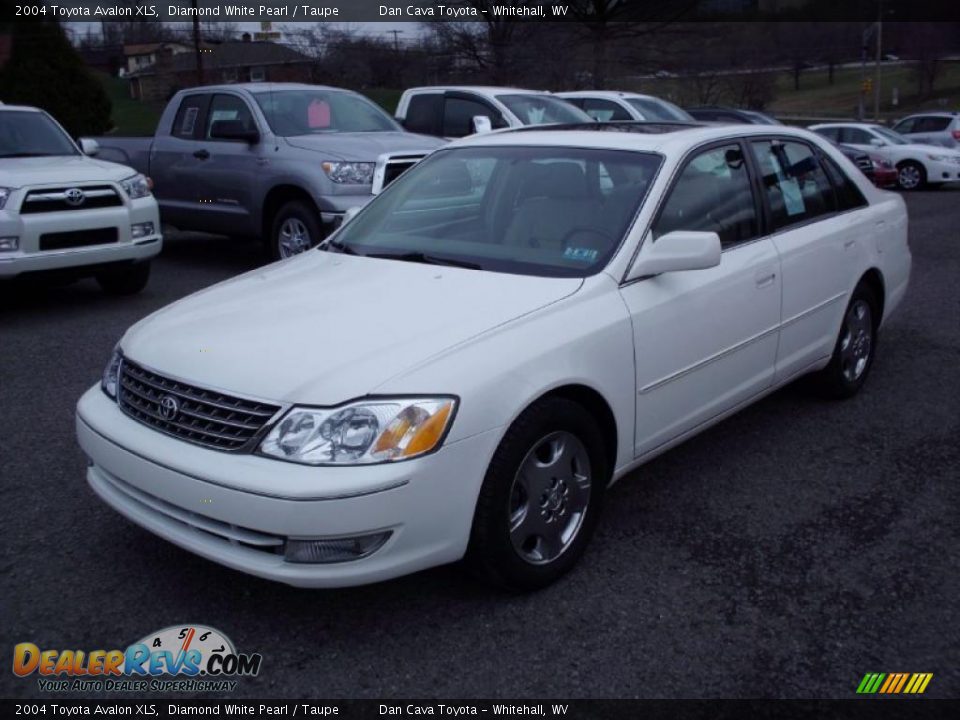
[(311, 11)]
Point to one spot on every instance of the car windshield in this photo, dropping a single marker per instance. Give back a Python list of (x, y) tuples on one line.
[(548, 211), (542, 109), (891, 136), (660, 110), (32, 134), (308, 112)]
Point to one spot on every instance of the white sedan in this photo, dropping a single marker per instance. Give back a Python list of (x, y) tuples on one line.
[(464, 368), (917, 164)]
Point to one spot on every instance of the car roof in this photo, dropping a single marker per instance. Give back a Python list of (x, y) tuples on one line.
[(19, 108), (668, 138), (604, 94), (257, 88), (485, 89), (933, 113), (865, 126)]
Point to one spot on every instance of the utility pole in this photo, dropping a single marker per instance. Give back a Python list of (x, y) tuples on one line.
[(396, 40), (197, 50), (879, 59)]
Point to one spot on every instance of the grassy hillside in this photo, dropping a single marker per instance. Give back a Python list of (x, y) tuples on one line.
[(130, 117)]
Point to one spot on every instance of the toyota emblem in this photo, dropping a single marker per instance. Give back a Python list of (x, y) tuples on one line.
[(169, 407), (74, 196)]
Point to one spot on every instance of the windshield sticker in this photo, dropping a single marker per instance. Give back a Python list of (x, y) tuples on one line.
[(189, 121), (580, 254)]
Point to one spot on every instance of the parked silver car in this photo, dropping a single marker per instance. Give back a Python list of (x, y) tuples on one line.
[(936, 128)]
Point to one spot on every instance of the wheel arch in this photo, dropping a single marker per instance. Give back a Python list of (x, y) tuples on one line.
[(873, 279), (276, 198)]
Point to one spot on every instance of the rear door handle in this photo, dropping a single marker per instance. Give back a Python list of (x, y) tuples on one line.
[(202, 154)]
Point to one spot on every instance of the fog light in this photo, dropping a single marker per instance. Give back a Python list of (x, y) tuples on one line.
[(139, 230), (9, 244), (334, 550)]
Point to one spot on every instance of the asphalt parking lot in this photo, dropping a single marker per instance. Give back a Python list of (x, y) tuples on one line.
[(784, 553)]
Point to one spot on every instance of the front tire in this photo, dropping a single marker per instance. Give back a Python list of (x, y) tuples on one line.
[(855, 349), (911, 175), (296, 228), (127, 280), (541, 497)]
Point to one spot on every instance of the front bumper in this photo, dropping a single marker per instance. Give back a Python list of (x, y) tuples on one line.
[(233, 508), (942, 172), (28, 228)]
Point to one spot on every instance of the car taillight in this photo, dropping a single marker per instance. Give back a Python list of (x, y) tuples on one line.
[(956, 134)]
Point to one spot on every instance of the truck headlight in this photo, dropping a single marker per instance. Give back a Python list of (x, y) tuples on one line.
[(369, 431), (349, 173), (4, 194), (111, 374), (136, 186)]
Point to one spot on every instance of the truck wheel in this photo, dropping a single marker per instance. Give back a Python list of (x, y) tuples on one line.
[(127, 280), (296, 228)]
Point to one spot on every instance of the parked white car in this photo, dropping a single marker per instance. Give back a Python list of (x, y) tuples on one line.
[(455, 111), (64, 212), (610, 105), (932, 128), (917, 164), (468, 363)]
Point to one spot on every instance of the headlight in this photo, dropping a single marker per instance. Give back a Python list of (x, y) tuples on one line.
[(4, 194), (137, 186), (111, 374), (349, 173), (370, 431), (940, 158)]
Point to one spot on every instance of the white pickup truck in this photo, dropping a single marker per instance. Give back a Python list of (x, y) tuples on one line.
[(65, 213)]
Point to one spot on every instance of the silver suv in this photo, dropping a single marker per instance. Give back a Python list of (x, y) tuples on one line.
[(936, 128)]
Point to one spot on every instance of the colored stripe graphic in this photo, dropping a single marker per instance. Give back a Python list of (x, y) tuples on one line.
[(894, 683)]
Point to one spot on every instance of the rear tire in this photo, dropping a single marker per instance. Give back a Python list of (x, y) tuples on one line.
[(128, 280), (541, 497), (295, 229), (855, 348), (911, 176)]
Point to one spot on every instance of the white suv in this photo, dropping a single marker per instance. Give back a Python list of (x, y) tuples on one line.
[(939, 128), (64, 212)]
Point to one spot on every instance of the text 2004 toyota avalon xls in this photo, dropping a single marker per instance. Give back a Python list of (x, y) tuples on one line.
[(468, 363)]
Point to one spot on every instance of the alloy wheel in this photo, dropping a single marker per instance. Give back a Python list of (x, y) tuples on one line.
[(294, 238), (857, 341), (909, 177)]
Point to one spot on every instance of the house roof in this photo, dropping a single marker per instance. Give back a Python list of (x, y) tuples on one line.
[(147, 48), (229, 55)]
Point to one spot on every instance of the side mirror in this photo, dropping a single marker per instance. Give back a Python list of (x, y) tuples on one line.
[(676, 251), (89, 147), (233, 130), (481, 124)]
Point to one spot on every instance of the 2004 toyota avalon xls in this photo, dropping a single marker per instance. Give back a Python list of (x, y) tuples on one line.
[(467, 364)]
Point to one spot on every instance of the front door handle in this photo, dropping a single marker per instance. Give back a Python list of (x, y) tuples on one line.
[(202, 154), (766, 280)]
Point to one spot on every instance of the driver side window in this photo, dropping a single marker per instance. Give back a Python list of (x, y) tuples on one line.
[(712, 194)]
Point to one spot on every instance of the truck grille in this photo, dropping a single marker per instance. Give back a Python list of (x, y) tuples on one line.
[(78, 238), (203, 417), (390, 167), (70, 198)]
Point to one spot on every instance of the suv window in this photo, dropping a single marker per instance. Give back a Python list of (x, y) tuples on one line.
[(186, 124), (229, 107), (905, 126), (423, 113), (848, 194), (932, 124), (458, 114), (796, 185), (854, 136), (604, 110), (712, 194)]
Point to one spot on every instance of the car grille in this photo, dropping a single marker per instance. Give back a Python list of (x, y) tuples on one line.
[(865, 164), (390, 167), (78, 238), (59, 199), (203, 417)]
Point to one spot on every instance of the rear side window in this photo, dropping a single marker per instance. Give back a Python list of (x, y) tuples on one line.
[(849, 196), (603, 110), (831, 133), (712, 194), (905, 126), (187, 123), (932, 124), (424, 112), (855, 136), (796, 186)]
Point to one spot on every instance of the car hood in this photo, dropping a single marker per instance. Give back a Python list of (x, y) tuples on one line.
[(365, 146), (323, 328), (59, 170)]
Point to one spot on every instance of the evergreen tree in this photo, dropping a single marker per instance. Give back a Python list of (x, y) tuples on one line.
[(46, 71)]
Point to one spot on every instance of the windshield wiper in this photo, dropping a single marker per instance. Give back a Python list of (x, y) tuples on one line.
[(338, 247), (419, 257)]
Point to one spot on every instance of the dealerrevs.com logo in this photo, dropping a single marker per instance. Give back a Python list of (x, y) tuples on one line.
[(180, 658)]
